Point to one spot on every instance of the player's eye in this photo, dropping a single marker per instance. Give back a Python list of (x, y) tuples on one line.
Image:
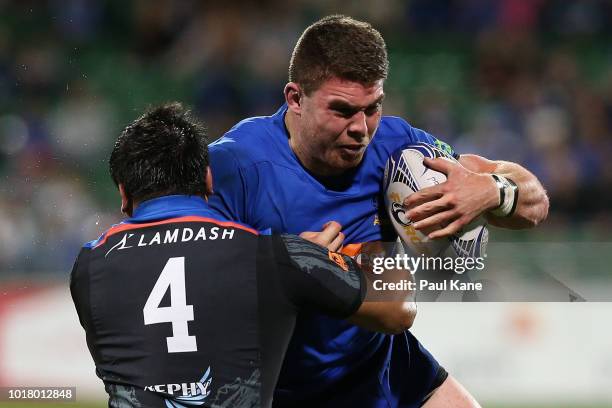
[(345, 113), (372, 110)]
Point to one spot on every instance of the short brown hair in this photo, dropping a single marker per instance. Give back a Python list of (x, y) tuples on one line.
[(338, 46)]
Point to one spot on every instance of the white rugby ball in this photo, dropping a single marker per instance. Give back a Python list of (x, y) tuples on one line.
[(406, 174)]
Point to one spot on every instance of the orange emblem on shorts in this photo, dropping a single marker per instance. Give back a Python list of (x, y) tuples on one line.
[(338, 260)]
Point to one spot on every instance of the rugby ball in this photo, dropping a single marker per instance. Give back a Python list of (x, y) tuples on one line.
[(405, 174)]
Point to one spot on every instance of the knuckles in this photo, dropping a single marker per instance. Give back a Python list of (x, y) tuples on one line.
[(451, 200), (334, 224), (408, 201)]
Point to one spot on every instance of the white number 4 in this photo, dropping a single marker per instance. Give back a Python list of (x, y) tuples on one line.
[(178, 313)]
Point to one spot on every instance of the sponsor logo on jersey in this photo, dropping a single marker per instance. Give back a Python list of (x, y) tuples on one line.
[(445, 147), (122, 244), (338, 260), (181, 394), (171, 236)]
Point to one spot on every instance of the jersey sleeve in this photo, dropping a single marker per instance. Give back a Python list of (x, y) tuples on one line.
[(317, 279), (79, 286), (81, 297), (229, 184), (417, 135), (432, 140)]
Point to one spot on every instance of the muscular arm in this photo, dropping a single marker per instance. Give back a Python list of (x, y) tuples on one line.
[(389, 312), (471, 191), (331, 283), (532, 207)]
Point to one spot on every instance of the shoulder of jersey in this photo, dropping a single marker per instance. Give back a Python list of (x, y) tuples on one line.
[(392, 131), (92, 244), (249, 140), (217, 220)]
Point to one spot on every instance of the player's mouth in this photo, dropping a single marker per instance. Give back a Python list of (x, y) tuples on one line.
[(352, 149)]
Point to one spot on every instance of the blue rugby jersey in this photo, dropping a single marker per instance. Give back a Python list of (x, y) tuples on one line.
[(259, 181)]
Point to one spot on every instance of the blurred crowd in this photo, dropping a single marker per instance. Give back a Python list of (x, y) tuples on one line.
[(523, 80)]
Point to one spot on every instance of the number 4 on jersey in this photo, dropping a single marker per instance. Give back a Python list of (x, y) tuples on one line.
[(178, 313)]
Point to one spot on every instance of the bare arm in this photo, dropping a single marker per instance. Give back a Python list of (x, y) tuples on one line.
[(387, 311), (471, 191), (532, 206), (385, 317)]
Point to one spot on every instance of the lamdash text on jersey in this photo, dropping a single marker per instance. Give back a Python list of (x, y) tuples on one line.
[(171, 236)]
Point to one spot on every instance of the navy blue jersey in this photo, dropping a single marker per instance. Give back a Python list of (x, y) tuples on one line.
[(258, 180), (184, 308)]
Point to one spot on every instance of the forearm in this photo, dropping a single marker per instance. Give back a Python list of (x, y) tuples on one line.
[(532, 206), (385, 310), (385, 316), (470, 191)]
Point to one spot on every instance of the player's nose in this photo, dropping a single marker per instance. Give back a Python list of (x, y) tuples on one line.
[(358, 128)]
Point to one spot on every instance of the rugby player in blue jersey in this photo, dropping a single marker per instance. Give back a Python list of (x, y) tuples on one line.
[(315, 167), (232, 293)]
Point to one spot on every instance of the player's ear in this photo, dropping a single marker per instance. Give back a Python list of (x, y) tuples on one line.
[(126, 201), (293, 97), (209, 182)]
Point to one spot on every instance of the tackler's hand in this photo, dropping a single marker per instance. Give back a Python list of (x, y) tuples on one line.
[(330, 237), (444, 209)]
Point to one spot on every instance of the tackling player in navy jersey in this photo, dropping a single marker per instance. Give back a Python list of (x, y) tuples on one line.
[(318, 163), (182, 307)]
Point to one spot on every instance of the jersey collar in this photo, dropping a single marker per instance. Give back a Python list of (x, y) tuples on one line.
[(161, 206), (279, 115)]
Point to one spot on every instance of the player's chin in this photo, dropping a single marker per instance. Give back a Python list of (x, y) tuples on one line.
[(347, 159)]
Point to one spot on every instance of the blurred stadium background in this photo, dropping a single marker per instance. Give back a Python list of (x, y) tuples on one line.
[(523, 80)]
